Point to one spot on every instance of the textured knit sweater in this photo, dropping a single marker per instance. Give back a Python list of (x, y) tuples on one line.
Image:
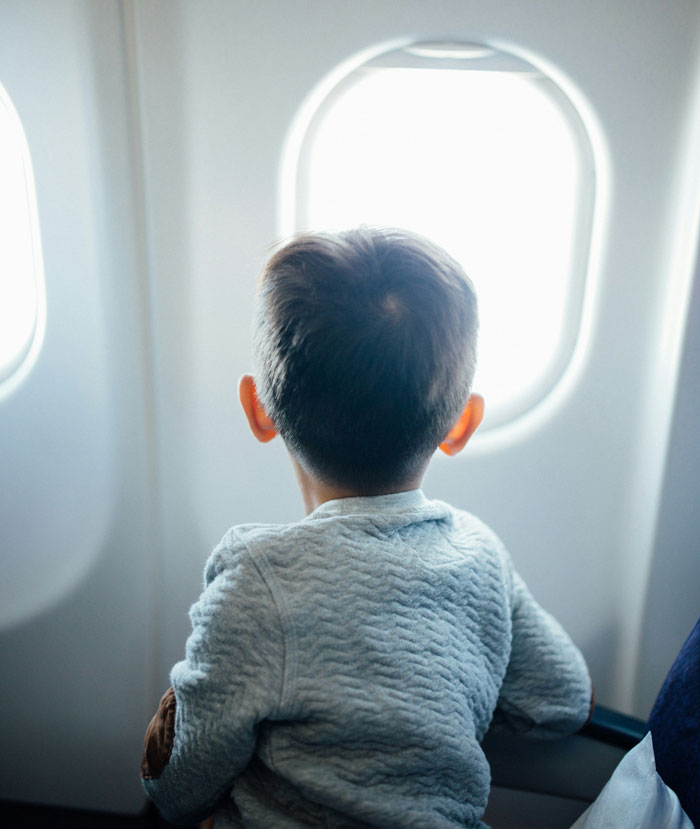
[(342, 671)]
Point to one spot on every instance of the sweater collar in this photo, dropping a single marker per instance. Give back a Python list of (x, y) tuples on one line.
[(371, 504)]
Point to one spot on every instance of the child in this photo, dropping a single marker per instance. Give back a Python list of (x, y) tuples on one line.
[(343, 670)]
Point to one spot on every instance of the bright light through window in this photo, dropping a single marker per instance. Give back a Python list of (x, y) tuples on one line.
[(21, 276), (492, 164)]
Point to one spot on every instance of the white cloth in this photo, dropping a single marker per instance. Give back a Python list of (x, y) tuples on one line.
[(635, 797)]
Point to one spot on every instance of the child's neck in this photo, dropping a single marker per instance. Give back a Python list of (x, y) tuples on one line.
[(316, 492)]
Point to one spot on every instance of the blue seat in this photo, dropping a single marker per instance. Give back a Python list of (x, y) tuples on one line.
[(675, 727)]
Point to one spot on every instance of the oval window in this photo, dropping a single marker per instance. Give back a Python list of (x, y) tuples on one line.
[(21, 271), (478, 150)]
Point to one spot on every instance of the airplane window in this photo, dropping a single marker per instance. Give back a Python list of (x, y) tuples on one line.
[(480, 151), (21, 270)]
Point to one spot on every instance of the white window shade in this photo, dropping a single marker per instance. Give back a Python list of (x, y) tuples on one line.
[(479, 151)]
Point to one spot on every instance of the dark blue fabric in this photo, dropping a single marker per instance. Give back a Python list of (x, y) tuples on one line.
[(675, 727)]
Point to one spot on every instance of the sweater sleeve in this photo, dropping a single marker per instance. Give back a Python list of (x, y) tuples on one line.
[(231, 679), (547, 688)]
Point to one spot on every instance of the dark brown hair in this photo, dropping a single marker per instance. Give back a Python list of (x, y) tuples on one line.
[(365, 350)]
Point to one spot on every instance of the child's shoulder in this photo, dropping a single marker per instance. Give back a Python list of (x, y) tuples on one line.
[(470, 526), (232, 553), (244, 547)]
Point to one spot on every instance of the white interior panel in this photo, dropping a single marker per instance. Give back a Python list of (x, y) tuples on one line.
[(75, 513), (157, 130)]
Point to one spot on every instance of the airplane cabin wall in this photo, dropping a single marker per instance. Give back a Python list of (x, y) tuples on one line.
[(77, 527), (156, 130)]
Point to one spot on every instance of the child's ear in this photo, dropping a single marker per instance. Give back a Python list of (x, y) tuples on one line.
[(260, 423), (465, 427)]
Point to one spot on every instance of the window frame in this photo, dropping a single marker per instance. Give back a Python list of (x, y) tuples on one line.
[(297, 158), (15, 368)]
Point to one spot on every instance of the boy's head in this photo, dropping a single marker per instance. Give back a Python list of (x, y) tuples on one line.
[(364, 352)]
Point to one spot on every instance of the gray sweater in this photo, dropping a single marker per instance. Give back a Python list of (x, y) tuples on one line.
[(342, 671)]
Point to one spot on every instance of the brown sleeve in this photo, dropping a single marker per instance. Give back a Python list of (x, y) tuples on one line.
[(158, 742)]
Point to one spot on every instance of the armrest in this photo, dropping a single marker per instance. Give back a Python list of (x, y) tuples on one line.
[(614, 728), (576, 767)]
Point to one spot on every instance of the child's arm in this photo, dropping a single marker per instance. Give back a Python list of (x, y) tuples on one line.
[(547, 690), (205, 730)]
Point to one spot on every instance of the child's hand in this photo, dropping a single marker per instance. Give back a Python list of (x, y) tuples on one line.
[(208, 823)]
